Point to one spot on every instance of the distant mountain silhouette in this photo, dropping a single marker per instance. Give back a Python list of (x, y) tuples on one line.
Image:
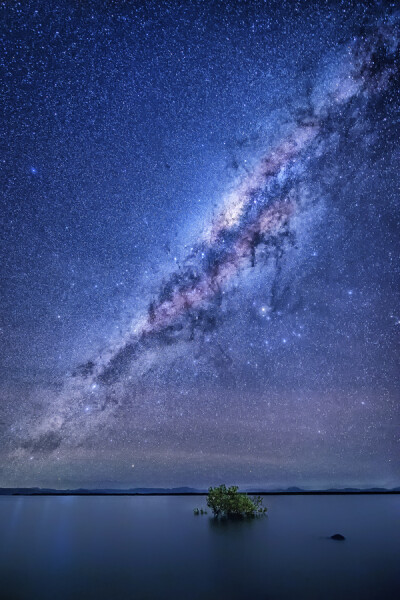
[(184, 491), (97, 491)]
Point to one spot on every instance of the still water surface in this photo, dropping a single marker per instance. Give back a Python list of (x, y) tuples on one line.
[(120, 548)]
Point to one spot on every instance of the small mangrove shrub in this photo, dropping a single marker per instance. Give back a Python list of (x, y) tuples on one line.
[(228, 502), (199, 511)]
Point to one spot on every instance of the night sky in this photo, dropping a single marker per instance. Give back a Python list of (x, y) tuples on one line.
[(200, 243)]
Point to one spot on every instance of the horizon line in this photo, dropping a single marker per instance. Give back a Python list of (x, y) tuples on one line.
[(187, 491)]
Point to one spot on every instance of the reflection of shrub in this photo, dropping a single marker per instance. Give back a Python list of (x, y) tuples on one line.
[(229, 502)]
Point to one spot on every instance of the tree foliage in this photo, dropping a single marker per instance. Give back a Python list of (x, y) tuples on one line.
[(229, 502)]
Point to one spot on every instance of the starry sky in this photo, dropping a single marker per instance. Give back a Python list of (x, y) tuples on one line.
[(200, 243)]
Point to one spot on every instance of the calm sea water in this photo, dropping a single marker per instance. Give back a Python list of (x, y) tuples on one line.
[(116, 548)]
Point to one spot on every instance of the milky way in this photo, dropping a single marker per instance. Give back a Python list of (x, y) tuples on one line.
[(257, 213)]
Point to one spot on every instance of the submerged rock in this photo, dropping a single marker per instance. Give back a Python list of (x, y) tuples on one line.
[(338, 536)]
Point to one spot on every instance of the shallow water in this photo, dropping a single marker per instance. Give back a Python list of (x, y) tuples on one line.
[(116, 548)]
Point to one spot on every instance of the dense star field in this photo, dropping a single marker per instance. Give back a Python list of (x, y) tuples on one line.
[(200, 244)]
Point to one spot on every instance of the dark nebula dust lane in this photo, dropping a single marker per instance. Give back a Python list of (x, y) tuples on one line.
[(200, 260)]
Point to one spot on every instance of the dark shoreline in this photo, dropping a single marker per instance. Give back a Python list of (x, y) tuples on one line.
[(317, 493)]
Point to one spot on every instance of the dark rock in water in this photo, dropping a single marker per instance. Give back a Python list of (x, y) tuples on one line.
[(337, 536)]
